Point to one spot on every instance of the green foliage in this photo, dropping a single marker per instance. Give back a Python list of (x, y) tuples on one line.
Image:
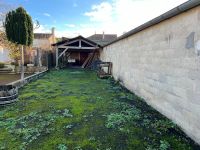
[(13, 48), (117, 120), (30, 127), (163, 125), (62, 147), (68, 126), (2, 65), (78, 148), (19, 27), (66, 113), (164, 145)]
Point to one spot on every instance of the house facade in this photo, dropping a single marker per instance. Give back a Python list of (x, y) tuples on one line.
[(4, 55), (42, 43), (42, 46)]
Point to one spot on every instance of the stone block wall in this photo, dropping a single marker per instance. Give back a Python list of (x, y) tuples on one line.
[(162, 65)]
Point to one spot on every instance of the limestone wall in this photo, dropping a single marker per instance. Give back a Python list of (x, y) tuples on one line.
[(162, 65), (44, 44)]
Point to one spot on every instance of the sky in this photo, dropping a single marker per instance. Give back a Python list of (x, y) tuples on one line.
[(87, 17)]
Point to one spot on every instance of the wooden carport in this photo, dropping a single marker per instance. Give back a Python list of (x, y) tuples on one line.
[(78, 49)]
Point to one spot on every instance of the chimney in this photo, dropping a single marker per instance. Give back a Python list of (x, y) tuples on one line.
[(53, 34), (53, 31), (103, 35)]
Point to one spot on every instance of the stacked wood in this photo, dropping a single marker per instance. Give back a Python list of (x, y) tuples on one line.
[(89, 60)]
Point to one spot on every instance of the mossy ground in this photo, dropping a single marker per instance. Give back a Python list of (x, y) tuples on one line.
[(73, 109)]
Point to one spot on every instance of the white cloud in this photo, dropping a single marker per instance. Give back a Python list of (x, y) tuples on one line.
[(66, 33), (47, 14), (101, 12), (70, 25), (119, 16), (41, 29)]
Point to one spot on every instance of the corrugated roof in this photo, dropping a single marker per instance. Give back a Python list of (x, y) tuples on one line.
[(176, 11)]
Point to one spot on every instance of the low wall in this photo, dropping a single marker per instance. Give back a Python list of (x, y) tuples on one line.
[(28, 79), (162, 65), (30, 69)]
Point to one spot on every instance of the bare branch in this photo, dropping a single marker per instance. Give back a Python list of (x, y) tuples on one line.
[(36, 24), (4, 9)]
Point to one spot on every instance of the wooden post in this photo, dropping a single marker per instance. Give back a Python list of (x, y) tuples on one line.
[(22, 63), (79, 56), (40, 55), (56, 57), (79, 43)]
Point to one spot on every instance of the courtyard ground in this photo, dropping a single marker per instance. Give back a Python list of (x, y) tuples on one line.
[(74, 110), (8, 78)]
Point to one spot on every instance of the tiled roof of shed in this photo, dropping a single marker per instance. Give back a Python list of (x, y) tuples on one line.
[(103, 39)]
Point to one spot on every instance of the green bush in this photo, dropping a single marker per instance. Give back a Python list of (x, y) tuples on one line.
[(2, 65)]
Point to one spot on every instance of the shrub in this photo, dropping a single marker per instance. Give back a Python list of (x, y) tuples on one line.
[(14, 63), (2, 65)]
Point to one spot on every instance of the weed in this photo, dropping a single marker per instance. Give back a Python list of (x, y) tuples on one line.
[(62, 147)]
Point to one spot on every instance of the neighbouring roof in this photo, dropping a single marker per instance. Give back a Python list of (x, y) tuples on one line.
[(174, 12), (103, 39), (42, 35)]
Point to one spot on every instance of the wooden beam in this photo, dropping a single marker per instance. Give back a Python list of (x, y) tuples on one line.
[(71, 42), (87, 60), (80, 43), (56, 57), (90, 60), (89, 43), (63, 52), (74, 47), (67, 43)]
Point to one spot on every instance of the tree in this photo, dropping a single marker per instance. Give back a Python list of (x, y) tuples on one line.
[(19, 30)]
